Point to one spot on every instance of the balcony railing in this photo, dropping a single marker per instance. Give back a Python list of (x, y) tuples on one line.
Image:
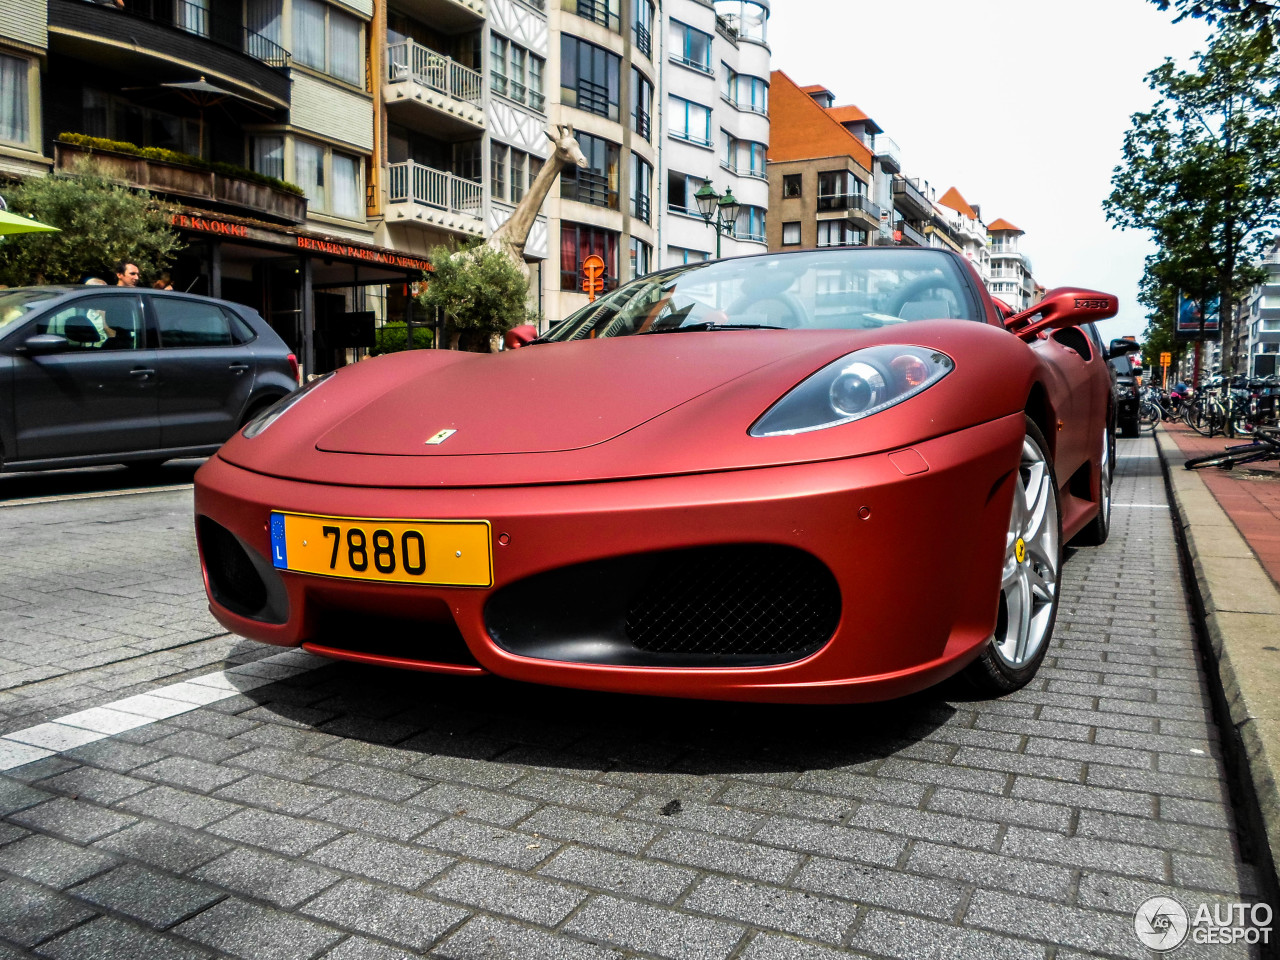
[(911, 233), (211, 22), (640, 123), (588, 187), (888, 153), (640, 208), (411, 182), (643, 39), (692, 64), (408, 60), (599, 12), (849, 201)]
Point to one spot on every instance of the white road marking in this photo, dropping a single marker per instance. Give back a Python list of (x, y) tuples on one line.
[(131, 492), (98, 723), (1141, 506)]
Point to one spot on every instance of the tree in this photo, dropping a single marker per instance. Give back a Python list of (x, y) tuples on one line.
[(1199, 170), (101, 223), (1260, 15), (482, 293)]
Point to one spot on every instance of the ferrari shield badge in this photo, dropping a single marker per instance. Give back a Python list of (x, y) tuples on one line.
[(441, 437)]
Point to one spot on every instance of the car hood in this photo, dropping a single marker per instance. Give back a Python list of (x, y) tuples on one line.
[(548, 398), (630, 407)]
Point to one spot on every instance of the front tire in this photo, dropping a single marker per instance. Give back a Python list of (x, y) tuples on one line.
[(1028, 602)]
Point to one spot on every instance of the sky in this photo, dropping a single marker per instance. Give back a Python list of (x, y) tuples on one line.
[(1022, 105)]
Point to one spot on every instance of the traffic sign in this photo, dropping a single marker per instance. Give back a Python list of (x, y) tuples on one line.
[(1166, 359), (593, 271)]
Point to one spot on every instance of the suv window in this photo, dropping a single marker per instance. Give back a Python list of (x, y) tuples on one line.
[(97, 323), (192, 323)]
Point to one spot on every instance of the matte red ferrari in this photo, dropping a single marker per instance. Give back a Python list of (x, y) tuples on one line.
[(819, 476)]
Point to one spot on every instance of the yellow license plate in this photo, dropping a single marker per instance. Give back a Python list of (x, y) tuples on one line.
[(455, 553)]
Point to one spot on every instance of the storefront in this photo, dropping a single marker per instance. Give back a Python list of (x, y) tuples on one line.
[(324, 295)]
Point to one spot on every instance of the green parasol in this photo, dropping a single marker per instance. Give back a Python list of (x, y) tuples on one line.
[(14, 223)]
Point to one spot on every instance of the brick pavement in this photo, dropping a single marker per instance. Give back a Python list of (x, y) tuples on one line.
[(347, 812)]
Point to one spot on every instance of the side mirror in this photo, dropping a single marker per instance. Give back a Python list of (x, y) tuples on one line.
[(1121, 347), (43, 343), (1063, 307)]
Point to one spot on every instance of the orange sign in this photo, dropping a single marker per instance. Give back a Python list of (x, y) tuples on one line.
[(1166, 359), (593, 271)]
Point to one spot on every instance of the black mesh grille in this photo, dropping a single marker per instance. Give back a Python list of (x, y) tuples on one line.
[(756, 599), (236, 584)]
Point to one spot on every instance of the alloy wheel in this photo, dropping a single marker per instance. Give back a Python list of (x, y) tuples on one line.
[(1029, 583)]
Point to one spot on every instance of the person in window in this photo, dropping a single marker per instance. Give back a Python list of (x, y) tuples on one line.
[(163, 282)]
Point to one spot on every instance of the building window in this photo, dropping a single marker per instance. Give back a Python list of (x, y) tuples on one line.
[(744, 91), (690, 121), (750, 225), (641, 188), (589, 77), (791, 233), (328, 40), (519, 168), (537, 85), (641, 104), (498, 170), (749, 20), (840, 233), (604, 12), (268, 156), (597, 183), (678, 256), (15, 100), (332, 181), (792, 185), (579, 241), (680, 193), (690, 47), (498, 64), (746, 157), (642, 29), (641, 258)]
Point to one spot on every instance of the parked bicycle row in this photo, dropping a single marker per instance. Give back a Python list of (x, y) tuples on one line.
[(1231, 408)]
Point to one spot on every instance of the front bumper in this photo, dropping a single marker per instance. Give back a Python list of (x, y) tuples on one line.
[(914, 540)]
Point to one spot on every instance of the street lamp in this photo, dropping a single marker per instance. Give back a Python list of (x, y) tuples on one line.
[(724, 209)]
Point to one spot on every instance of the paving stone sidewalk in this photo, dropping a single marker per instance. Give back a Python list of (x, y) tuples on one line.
[(347, 812)]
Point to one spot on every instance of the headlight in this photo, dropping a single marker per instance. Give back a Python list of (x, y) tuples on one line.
[(270, 415), (855, 386)]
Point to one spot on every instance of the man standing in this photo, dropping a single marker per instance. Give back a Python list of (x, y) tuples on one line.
[(126, 274)]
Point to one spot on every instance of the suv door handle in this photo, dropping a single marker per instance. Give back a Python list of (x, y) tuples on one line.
[(238, 368), (142, 373)]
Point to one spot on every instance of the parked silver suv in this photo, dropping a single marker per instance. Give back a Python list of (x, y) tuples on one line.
[(126, 375)]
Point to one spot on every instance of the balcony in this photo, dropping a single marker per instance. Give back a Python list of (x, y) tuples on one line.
[(910, 200), (888, 154), (643, 39), (851, 202), (164, 40), (419, 75), (586, 186), (911, 234), (597, 11), (420, 194), (217, 190)]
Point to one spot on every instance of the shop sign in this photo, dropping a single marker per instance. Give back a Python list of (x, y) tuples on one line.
[(209, 225), (385, 257)]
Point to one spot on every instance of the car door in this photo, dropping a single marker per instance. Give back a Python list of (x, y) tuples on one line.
[(206, 370), (1071, 358), (98, 396)]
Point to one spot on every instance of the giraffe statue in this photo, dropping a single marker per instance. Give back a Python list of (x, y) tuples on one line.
[(511, 236)]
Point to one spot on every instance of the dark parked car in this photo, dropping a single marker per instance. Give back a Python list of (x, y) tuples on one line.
[(126, 375), (1125, 387)]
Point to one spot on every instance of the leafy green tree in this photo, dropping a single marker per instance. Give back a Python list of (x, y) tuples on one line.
[(1199, 170), (482, 292), (100, 222), (1260, 15)]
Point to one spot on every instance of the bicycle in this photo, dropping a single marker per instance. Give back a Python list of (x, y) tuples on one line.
[(1264, 446)]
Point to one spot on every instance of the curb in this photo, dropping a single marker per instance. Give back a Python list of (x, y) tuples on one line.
[(1239, 607)]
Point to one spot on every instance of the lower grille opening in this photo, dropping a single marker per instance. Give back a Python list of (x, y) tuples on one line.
[(383, 636), (734, 605), (233, 577), (753, 600)]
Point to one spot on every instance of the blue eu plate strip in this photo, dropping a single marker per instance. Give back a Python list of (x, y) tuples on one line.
[(279, 556)]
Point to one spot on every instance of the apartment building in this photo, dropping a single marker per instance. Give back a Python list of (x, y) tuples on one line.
[(1009, 277), (1258, 321), (717, 123)]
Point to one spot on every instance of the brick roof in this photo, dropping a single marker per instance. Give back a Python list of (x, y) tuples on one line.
[(957, 203), (800, 129)]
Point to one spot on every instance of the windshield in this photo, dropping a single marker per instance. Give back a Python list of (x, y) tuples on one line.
[(860, 289), (16, 305)]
